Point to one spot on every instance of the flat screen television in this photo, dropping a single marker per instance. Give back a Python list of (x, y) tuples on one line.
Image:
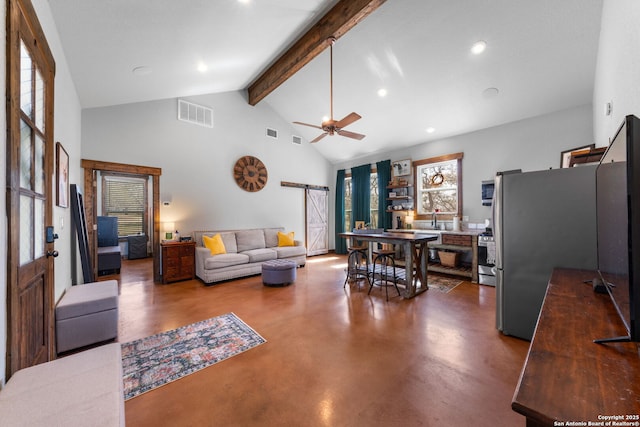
[(618, 225)]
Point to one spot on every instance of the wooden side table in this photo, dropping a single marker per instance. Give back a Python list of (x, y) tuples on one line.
[(178, 261)]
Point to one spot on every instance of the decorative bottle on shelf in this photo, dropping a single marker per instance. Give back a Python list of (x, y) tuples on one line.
[(176, 236)]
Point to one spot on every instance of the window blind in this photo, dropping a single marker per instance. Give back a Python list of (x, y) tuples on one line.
[(126, 199)]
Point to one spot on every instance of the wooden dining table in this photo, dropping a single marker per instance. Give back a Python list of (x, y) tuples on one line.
[(415, 256)]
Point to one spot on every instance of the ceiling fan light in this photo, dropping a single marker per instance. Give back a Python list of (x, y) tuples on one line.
[(329, 125)]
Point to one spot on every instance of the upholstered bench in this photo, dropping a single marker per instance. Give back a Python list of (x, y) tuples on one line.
[(83, 389), (87, 314), (278, 272)]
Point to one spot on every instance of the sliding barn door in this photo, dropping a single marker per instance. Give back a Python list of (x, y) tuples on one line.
[(317, 222)]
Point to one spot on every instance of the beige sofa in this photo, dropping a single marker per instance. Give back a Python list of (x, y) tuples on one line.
[(246, 251)]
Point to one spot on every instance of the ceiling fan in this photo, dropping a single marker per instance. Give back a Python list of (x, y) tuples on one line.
[(331, 126)]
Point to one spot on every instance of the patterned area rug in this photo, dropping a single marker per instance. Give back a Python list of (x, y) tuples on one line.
[(159, 359), (443, 284)]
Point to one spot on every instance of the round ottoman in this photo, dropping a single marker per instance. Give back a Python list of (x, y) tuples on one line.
[(278, 272)]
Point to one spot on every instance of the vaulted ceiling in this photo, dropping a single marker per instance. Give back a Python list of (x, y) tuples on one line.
[(540, 57)]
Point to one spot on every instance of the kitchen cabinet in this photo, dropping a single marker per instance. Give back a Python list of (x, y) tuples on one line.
[(464, 243)]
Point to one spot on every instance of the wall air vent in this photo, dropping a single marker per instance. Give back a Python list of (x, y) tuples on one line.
[(296, 140), (195, 114), (272, 133)]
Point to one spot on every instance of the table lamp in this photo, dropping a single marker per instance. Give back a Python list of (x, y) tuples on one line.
[(169, 227)]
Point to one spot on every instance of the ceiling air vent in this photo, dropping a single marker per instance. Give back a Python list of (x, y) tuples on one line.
[(272, 133), (296, 140), (195, 114)]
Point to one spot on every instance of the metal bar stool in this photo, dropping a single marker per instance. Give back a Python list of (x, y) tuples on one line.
[(357, 265), (384, 261)]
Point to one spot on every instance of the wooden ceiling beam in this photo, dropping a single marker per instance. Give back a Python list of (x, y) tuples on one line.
[(335, 23)]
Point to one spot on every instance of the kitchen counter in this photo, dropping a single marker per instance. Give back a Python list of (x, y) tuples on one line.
[(429, 231), (460, 244)]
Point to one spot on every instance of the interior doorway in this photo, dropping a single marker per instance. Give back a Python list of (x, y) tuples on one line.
[(92, 169)]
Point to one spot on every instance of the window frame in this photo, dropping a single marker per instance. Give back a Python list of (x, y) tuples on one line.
[(418, 194)]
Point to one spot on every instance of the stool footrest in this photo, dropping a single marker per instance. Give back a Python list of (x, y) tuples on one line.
[(383, 272)]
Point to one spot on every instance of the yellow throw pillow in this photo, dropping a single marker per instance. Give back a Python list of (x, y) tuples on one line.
[(214, 244), (285, 239)]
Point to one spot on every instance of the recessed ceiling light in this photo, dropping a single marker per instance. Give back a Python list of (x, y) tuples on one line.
[(478, 47), (142, 70), (431, 130), (382, 92), (202, 67)]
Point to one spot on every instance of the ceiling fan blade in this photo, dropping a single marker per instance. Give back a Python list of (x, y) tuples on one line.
[(350, 134), (319, 137), (307, 124), (348, 120)]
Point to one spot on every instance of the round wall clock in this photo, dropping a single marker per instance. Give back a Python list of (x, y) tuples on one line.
[(250, 173)]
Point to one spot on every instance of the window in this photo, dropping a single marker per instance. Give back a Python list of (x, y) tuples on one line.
[(347, 203), (373, 188), (438, 184), (125, 197)]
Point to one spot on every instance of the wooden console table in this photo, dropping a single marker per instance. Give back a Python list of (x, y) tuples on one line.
[(567, 379)]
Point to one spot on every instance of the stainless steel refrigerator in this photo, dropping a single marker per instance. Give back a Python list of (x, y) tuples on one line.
[(542, 220)]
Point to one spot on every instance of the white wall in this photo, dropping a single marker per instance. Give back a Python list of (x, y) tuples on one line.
[(531, 144), (618, 67), (67, 131), (197, 162), (67, 123)]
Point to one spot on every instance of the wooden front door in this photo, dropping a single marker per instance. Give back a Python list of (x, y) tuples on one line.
[(30, 153), (317, 221)]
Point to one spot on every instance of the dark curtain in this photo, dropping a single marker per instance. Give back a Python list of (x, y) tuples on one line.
[(361, 194), (340, 242), (384, 176)]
